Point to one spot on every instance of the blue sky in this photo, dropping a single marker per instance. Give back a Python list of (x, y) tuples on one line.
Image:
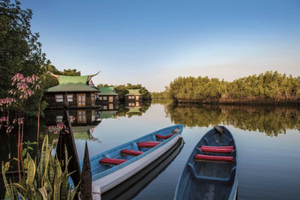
[(152, 42)]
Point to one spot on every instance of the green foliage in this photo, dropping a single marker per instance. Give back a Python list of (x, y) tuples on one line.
[(122, 90), (70, 72), (20, 50), (160, 95), (47, 181), (270, 86)]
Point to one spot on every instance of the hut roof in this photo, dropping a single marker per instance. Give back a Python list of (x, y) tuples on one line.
[(133, 92), (107, 91), (72, 84), (108, 114), (133, 110)]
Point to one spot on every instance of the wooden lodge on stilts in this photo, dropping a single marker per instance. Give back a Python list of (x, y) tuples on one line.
[(80, 92), (133, 95), (107, 95)]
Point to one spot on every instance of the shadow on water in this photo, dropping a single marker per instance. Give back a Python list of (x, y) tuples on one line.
[(270, 120), (133, 186)]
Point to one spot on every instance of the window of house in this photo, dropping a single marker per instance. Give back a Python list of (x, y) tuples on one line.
[(81, 116), (93, 115), (100, 98), (81, 100), (59, 119), (111, 106), (104, 107), (105, 98), (70, 97), (59, 98)]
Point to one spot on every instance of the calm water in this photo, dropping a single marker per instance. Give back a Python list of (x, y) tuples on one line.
[(269, 163), (268, 142)]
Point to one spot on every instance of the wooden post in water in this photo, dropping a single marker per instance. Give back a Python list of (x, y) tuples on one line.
[(86, 178)]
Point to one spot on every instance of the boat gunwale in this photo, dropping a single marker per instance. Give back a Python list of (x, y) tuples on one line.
[(128, 162), (185, 172)]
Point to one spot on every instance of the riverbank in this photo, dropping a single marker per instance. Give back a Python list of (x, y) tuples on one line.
[(244, 101)]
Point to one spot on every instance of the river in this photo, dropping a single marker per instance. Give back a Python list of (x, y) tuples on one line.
[(267, 138)]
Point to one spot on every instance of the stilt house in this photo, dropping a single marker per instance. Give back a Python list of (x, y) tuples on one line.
[(72, 91), (133, 95), (107, 95)]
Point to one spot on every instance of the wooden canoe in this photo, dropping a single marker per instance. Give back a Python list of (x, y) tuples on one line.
[(130, 188), (211, 170), (116, 165)]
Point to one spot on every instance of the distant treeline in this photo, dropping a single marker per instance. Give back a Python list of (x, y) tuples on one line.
[(263, 88), (122, 90)]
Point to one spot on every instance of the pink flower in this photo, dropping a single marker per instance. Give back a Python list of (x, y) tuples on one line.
[(20, 120), (28, 79)]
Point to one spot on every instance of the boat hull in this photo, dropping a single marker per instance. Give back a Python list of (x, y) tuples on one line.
[(210, 179), (115, 175), (135, 184)]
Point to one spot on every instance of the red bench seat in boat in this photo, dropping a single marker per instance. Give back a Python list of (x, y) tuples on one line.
[(200, 157), (149, 144), (112, 161), (131, 152), (217, 149), (164, 137)]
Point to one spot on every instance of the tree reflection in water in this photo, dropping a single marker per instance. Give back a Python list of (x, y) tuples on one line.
[(268, 119)]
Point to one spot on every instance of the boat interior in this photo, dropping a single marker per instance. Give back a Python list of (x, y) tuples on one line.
[(130, 151), (212, 167)]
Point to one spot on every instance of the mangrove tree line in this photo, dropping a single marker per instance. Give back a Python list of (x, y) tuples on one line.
[(267, 87)]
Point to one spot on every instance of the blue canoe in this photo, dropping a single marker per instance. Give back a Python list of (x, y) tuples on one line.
[(130, 188), (116, 165), (211, 170)]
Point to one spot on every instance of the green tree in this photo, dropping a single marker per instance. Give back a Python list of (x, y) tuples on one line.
[(70, 72), (20, 50)]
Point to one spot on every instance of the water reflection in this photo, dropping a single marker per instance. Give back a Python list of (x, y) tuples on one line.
[(84, 124), (86, 120), (268, 119), (108, 115), (130, 109)]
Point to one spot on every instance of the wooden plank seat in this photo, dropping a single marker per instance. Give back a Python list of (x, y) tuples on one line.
[(149, 144), (217, 149), (131, 152), (111, 161), (208, 158), (164, 136), (211, 179)]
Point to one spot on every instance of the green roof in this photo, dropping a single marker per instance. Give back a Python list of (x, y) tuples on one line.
[(73, 79), (81, 132), (106, 91), (107, 114), (133, 110), (133, 92), (72, 84)]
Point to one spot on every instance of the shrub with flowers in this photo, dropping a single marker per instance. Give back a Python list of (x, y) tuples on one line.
[(23, 89)]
